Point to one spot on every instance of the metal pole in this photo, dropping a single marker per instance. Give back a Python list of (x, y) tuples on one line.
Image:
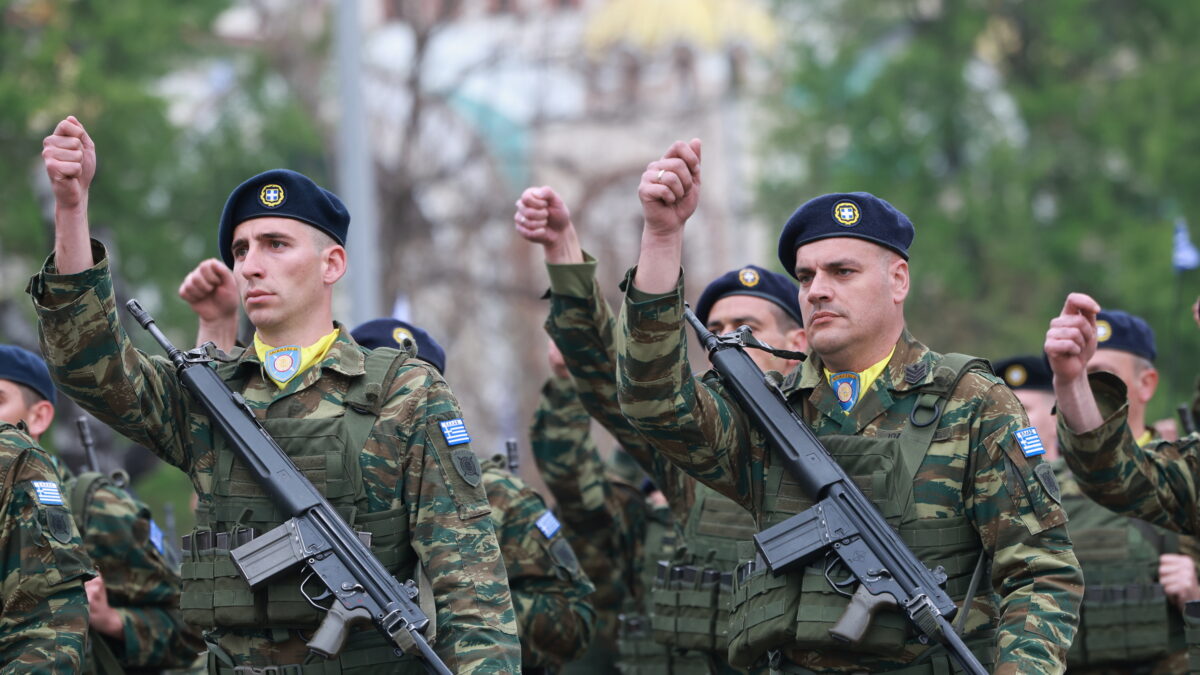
[(356, 170)]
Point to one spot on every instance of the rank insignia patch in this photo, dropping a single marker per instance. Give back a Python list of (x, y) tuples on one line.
[(846, 213), (271, 196), (1030, 442), (455, 432), (282, 363), (748, 277), (845, 387)]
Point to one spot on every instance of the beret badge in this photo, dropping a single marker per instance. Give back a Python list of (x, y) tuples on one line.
[(271, 195), (748, 277), (846, 213)]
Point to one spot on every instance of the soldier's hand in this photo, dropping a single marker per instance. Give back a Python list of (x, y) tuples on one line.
[(543, 218), (101, 615), (211, 292), (1177, 574), (1071, 339), (670, 188), (70, 159)]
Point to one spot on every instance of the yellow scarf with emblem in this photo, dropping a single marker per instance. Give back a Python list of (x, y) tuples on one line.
[(308, 355), (866, 378)]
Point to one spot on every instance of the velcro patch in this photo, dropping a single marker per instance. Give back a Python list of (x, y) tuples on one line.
[(455, 432), (548, 525), (47, 492), (1030, 442), (60, 524), (1045, 476), (156, 536), (467, 465)]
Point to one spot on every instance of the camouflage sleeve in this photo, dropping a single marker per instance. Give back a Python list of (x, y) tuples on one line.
[(550, 592), (93, 362), (451, 532), (43, 606), (595, 511), (1156, 483), (691, 421), (1014, 502), (126, 547), (583, 327)]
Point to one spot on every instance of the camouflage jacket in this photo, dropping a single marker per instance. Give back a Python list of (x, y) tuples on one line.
[(549, 590), (1157, 483), (604, 518), (406, 462), (126, 546), (697, 424), (43, 607)]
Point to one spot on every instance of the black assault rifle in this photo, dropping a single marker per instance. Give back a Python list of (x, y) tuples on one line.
[(362, 590), (842, 524)]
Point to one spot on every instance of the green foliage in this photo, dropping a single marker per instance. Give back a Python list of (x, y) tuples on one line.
[(1039, 148)]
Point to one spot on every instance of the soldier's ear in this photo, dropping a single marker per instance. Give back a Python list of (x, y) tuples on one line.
[(333, 264), (38, 417)]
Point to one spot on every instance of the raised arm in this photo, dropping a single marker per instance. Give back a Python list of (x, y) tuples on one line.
[(210, 291), (70, 159)]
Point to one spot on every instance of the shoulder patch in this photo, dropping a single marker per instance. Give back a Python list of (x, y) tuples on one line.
[(455, 431), (548, 525), (60, 524), (47, 492), (1030, 442), (156, 536), (467, 465), (1045, 476)]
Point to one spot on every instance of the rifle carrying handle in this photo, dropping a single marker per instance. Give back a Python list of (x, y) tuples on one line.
[(854, 622)]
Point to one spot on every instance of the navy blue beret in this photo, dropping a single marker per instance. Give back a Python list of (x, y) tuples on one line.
[(389, 333), (754, 281), (24, 367), (282, 193), (1026, 372), (1121, 330), (845, 214)]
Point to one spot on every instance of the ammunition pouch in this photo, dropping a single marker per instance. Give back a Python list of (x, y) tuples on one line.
[(691, 606), (1122, 624)]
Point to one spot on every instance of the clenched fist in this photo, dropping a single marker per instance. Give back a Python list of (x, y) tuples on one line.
[(670, 188), (211, 291), (70, 158)]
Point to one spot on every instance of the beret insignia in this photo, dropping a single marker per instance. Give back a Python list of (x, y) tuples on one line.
[(1103, 331), (400, 335), (847, 213), (748, 277), (1016, 375), (271, 195)]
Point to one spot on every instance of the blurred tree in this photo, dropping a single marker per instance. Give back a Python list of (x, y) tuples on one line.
[(1039, 148)]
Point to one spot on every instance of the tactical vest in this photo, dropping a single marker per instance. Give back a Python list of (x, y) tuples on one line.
[(796, 610), (1125, 617), (692, 591), (639, 653), (1191, 618), (326, 450)]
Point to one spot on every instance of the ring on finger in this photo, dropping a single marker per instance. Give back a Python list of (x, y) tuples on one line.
[(658, 178)]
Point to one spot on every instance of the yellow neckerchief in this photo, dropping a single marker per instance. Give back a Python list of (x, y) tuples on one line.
[(1145, 438), (308, 355), (867, 377)]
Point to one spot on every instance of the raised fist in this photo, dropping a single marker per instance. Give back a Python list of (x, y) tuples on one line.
[(670, 188), (1071, 339), (70, 158), (211, 292)]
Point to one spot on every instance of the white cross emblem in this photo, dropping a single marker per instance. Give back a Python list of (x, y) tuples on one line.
[(846, 213), (272, 195)]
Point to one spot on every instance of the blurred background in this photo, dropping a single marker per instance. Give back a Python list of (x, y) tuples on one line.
[(1038, 147)]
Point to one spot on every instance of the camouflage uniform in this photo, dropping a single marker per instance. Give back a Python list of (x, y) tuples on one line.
[(691, 593), (616, 532), (43, 606), (127, 547), (549, 591), (1008, 511), (413, 494)]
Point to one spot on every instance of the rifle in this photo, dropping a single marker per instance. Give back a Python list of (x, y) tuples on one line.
[(314, 535), (842, 523), (513, 453), (1187, 421), (89, 444)]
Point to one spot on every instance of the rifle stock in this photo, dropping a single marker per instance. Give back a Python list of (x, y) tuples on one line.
[(315, 535), (842, 522)]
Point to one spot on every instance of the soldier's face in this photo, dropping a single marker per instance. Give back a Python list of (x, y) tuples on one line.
[(851, 296), (18, 404), (763, 317), (1140, 381), (282, 275)]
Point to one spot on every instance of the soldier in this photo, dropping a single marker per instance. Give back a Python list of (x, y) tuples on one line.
[(380, 436), (691, 594), (617, 522), (1137, 581), (550, 592), (939, 444), (43, 604), (134, 602)]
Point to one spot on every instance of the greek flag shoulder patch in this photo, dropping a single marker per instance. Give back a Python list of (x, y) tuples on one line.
[(1030, 442), (455, 431), (548, 525), (156, 536), (47, 492)]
